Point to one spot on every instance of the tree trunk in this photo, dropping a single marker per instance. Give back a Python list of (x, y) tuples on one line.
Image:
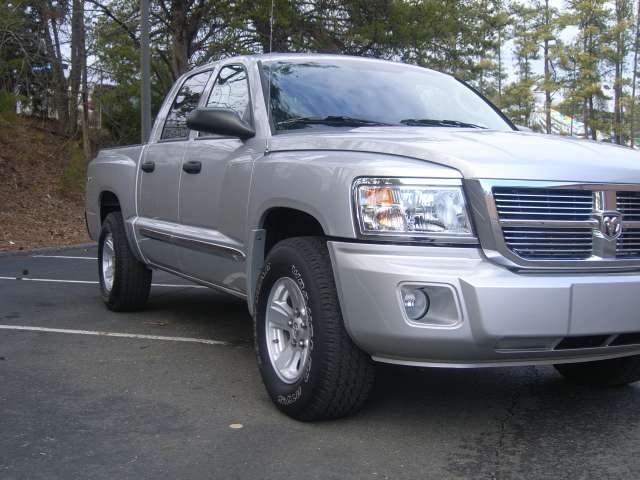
[(82, 54), (86, 137), (179, 39), (500, 67), (77, 50), (619, 67), (63, 94), (52, 44), (585, 117), (547, 70), (617, 103), (594, 132), (547, 87), (634, 79)]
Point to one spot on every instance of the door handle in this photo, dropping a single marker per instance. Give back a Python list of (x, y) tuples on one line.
[(148, 166), (192, 166)]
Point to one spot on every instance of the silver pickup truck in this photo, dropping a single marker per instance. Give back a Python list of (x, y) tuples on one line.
[(371, 211)]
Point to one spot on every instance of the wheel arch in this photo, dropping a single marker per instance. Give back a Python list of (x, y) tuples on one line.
[(276, 223), (108, 202), (280, 223)]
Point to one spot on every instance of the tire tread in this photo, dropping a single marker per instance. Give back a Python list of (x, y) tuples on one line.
[(612, 372), (132, 284), (348, 372)]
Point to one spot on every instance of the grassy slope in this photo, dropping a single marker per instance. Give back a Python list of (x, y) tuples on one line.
[(41, 183)]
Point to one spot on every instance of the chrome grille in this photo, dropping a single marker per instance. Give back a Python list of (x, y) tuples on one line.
[(629, 205), (545, 243), (628, 245), (543, 204), (541, 225)]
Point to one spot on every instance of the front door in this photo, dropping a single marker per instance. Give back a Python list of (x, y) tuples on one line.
[(159, 176), (214, 190)]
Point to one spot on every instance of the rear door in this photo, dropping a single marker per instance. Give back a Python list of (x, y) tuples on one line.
[(213, 199), (159, 174)]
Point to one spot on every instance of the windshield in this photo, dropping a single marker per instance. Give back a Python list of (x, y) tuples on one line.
[(349, 93)]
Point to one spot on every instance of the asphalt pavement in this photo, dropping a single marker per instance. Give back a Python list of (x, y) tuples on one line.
[(173, 392)]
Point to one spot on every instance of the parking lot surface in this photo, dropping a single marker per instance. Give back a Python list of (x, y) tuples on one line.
[(176, 394)]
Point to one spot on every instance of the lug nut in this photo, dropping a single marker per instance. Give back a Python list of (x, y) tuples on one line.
[(301, 344), (275, 340)]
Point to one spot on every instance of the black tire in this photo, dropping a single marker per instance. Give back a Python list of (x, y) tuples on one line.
[(339, 376), (614, 372), (132, 279)]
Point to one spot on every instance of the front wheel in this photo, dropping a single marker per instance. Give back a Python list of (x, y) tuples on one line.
[(124, 280), (309, 364), (603, 373)]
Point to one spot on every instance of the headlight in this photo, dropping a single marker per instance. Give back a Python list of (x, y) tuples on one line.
[(405, 207)]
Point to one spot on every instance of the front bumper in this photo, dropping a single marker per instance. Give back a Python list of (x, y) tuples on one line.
[(505, 318)]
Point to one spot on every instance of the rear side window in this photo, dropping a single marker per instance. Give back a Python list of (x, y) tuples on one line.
[(187, 99), (231, 91)]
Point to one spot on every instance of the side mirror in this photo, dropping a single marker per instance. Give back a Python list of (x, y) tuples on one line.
[(220, 121), (522, 128)]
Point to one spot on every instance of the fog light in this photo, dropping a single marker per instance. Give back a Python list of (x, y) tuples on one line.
[(415, 302)]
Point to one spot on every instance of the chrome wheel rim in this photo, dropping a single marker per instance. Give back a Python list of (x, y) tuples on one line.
[(108, 262), (288, 330)]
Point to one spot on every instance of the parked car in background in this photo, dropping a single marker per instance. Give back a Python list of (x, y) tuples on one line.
[(371, 211)]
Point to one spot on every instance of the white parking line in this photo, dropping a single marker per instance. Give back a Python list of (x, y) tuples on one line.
[(64, 256), (115, 334), (92, 282)]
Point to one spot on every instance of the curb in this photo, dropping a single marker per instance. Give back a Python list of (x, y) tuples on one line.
[(17, 253)]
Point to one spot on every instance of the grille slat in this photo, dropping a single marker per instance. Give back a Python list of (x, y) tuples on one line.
[(629, 205), (628, 245), (543, 204), (577, 202), (563, 232), (546, 215), (546, 208), (543, 244), (554, 243), (546, 242), (552, 194)]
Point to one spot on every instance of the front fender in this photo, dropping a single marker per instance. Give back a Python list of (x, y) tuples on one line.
[(319, 183), (114, 170)]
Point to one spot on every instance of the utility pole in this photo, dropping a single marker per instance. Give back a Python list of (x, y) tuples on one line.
[(145, 67)]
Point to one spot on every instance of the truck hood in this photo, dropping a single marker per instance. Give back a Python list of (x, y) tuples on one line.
[(481, 153)]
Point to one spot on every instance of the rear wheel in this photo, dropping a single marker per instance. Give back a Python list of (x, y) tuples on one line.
[(309, 364), (124, 280), (603, 373)]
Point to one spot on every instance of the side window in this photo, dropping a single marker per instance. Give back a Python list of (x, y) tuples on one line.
[(231, 91), (175, 126)]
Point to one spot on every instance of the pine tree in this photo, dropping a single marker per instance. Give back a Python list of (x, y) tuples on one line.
[(547, 37), (620, 40), (519, 101), (634, 77), (588, 53)]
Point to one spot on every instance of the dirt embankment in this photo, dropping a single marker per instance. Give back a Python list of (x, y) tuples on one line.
[(41, 186)]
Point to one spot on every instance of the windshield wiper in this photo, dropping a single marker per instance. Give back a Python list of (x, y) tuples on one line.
[(431, 122), (331, 120)]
